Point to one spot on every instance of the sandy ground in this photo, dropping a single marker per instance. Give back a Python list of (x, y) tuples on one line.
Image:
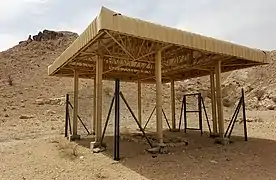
[(49, 156)]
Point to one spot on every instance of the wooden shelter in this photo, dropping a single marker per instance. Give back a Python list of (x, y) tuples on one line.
[(115, 46)]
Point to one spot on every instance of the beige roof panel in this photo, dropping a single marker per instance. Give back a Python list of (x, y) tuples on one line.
[(110, 20)]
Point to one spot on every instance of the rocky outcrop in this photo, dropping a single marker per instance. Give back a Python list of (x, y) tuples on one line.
[(47, 35)]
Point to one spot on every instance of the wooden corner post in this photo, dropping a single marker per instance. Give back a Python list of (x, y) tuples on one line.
[(158, 76), (173, 105), (99, 73), (213, 102), (219, 99), (75, 135), (139, 103), (94, 107)]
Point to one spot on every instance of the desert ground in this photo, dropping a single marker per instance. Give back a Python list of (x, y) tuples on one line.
[(32, 114)]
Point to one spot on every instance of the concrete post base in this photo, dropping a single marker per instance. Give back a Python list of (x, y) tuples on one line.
[(223, 141), (175, 130), (159, 149), (214, 135), (74, 137), (97, 147)]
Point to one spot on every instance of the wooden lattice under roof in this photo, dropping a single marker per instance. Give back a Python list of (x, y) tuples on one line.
[(127, 47)]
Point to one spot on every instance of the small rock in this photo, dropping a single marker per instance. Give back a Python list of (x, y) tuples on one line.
[(154, 150), (81, 157), (271, 107), (50, 112), (13, 108), (6, 115), (213, 162), (4, 109), (115, 162), (97, 150), (22, 101), (22, 105), (164, 150), (39, 102), (25, 117)]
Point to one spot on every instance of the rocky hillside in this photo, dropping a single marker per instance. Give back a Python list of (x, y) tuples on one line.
[(24, 83), (259, 84)]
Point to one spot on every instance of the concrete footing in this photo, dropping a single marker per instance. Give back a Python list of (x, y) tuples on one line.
[(97, 147), (214, 135), (174, 130), (222, 141), (74, 137), (159, 149)]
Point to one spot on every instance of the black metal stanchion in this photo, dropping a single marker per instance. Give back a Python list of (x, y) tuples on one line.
[(181, 113), (233, 117), (66, 116), (234, 120), (206, 116), (200, 114), (185, 114), (69, 122), (117, 121), (167, 121), (244, 116), (149, 117), (107, 119)]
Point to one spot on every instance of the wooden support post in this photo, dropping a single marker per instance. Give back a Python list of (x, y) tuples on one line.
[(158, 75), (213, 102), (99, 71), (94, 108), (75, 135), (139, 103), (173, 105), (219, 99)]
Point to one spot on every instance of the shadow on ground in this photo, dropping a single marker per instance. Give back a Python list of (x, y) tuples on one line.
[(200, 159)]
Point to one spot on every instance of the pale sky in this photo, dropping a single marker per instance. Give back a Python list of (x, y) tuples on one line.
[(246, 22)]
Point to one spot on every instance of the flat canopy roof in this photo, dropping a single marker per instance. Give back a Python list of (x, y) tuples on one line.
[(127, 47)]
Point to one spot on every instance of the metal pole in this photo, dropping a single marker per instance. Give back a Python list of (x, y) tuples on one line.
[(244, 116), (200, 114), (207, 119), (149, 118), (117, 121), (181, 113), (185, 114), (66, 116), (233, 117), (166, 119), (69, 121)]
